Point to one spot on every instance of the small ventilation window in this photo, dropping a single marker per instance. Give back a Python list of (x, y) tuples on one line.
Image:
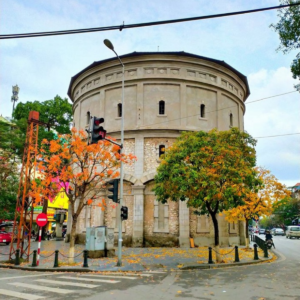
[(161, 107), (88, 117), (120, 110), (202, 111), (231, 120), (161, 150)]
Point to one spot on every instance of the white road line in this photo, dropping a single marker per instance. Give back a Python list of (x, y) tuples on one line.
[(157, 272), (87, 279), (42, 288), (20, 295), (9, 278), (89, 286), (111, 276)]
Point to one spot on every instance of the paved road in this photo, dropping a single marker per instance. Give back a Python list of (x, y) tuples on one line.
[(276, 281)]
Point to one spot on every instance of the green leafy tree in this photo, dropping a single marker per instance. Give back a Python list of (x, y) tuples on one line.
[(11, 138), (212, 170), (286, 210), (9, 183), (288, 29), (56, 114)]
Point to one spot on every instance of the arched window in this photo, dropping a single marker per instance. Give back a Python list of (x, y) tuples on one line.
[(120, 110), (161, 150), (231, 120), (202, 111), (88, 117), (161, 107)]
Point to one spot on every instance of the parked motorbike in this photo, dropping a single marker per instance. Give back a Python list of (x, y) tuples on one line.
[(270, 243)]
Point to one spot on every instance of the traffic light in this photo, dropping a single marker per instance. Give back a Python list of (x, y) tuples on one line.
[(98, 132), (114, 190), (124, 213)]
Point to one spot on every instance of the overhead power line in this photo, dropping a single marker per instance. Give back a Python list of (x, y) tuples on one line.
[(215, 110), (270, 97), (137, 25), (270, 136)]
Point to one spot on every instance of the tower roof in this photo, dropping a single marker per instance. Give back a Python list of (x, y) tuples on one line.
[(180, 53)]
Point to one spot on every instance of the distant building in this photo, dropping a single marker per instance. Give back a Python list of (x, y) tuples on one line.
[(165, 93), (295, 190)]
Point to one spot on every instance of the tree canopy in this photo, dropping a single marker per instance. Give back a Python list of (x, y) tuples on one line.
[(11, 138), (9, 183), (69, 165), (56, 114), (288, 29), (260, 203), (213, 170)]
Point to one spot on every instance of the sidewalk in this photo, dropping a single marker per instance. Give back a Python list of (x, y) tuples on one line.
[(135, 259)]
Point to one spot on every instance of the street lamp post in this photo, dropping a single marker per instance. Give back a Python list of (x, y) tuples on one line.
[(109, 45), (14, 97)]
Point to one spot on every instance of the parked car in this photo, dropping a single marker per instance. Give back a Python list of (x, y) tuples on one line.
[(293, 231), (277, 231), (5, 237), (262, 231)]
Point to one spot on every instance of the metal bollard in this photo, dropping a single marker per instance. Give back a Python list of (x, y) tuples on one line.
[(236, 259), (17, 260), (210, 261), (85, 259), (266, 251), (34, 264), (255, 252), (56, 259)]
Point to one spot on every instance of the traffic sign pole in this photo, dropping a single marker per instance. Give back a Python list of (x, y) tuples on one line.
[(39, 246), (41, 220)]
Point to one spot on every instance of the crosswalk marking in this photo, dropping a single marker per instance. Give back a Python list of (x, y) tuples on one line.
[(42, 288), (87, 279), (20, 295), (110, 276), (157, 272), (86, 285), (15, 277)]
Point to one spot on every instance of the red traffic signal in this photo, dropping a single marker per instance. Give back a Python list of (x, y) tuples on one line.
[(98, 132)]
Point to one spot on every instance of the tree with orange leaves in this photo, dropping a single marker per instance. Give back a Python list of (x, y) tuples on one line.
[(259, 203), (71, 166)]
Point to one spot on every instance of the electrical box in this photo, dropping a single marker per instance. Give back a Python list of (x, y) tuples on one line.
[(99, 238)]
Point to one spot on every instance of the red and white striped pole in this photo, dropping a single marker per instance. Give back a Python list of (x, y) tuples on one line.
[(39, 246)]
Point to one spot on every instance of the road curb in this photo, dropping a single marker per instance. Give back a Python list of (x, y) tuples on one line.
[(186, 267), (228, 265)]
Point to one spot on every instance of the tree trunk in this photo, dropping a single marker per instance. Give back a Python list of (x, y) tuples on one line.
[(45, 228), (72, 241), (216, 230)]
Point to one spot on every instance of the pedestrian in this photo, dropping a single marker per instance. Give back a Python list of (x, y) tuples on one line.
[(48, 235), (32, 234)]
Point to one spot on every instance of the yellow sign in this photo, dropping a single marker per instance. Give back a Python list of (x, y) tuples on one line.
[(61, 200), (50, 214)]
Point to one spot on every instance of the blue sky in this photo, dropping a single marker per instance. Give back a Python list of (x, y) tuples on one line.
[(42, 67)]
